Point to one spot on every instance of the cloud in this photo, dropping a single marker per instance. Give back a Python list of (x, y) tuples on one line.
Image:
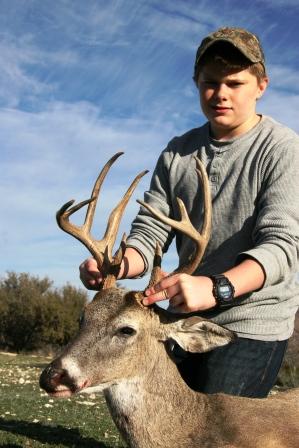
[(92, 24), (281, 100), (280, 3), (54, 155), (283, 108), (283, 78), (15, 81), (22, 63)]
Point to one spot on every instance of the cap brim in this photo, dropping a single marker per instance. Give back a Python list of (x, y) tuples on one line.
[(221, 39)]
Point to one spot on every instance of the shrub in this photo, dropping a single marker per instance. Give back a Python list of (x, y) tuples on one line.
[(33, 314)]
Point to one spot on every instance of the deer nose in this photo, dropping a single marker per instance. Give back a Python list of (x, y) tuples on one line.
[(52, 377)]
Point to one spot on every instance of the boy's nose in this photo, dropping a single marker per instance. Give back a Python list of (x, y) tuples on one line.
[(221, 91)]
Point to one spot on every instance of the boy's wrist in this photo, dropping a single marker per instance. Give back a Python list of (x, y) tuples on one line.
[(124, 269), (132, 265), (223, 291)]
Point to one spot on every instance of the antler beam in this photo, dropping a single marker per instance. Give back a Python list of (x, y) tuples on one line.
[(185, 226), (100, 249)]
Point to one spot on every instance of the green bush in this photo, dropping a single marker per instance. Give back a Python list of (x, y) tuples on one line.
[(34, 315)]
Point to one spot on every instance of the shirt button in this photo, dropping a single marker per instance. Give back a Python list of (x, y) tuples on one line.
[(214, 178)]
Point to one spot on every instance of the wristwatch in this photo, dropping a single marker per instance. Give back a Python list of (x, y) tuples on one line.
[(223, 291)]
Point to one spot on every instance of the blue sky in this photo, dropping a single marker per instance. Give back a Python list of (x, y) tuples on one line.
[(81, 80)]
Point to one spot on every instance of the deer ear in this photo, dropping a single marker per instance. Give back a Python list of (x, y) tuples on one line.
[(197, 335)]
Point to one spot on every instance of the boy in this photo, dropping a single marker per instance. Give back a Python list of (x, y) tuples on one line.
[(247, 278)]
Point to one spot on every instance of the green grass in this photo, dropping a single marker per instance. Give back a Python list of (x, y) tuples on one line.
[(29, 418)]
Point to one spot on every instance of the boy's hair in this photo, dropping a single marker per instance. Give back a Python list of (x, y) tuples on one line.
[(229, 59), (234, 48)]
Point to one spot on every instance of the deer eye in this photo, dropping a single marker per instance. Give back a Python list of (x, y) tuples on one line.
[(81, 319), (126, 331)]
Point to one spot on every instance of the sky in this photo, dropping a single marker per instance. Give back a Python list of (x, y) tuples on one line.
[(82, 80)]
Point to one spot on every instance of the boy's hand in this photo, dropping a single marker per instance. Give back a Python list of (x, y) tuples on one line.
[(186, 293), (90, 275)]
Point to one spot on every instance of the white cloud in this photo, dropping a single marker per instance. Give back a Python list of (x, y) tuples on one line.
[(282, 107), (21, 61), (92, 24), (283, 77), (280, 3), (54, 155), (14, 79)]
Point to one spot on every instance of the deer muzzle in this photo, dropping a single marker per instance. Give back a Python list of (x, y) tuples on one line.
[(58, 382)]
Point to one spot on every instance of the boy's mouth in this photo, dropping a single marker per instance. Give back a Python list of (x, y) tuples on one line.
[(221, 108)]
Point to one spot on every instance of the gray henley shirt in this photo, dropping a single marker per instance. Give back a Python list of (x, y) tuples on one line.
[(254, 183)]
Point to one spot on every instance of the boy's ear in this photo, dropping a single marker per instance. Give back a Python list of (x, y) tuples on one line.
[(263, 84), (197, 335)]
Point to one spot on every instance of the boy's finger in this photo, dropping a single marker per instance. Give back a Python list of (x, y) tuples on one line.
[(163, 284), (157, 297)]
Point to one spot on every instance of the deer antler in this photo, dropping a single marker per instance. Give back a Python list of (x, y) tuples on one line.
[(100, 249), (185, 226)]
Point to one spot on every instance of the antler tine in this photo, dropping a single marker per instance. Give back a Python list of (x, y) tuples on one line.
[(100, 249), (82, 233), (96, 190), (114, 267), (116, 215), (207, 222), (156, 274), (79, 232), (185, 226)]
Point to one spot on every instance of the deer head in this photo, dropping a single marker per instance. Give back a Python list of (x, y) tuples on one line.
[(119, 338)]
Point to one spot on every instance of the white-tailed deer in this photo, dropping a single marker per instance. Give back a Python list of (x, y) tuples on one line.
[(122, 349)]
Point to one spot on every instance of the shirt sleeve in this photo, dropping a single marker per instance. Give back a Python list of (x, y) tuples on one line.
[(276, 233), (146, 230)]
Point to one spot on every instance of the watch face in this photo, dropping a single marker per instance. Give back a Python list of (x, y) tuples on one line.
[(225, 292)]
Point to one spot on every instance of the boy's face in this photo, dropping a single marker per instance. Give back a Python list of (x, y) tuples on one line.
[(228, 99)]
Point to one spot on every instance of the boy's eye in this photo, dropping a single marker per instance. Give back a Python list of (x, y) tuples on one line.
[(210, 83), (235, 84)]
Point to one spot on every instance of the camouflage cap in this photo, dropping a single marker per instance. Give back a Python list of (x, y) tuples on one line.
[(247, 43)]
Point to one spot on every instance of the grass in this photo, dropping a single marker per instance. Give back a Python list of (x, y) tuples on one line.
[(29, 418)]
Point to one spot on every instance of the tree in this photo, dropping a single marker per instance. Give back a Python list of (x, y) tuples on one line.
[(34, 314)]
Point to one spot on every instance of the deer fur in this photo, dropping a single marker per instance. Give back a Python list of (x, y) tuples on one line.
[(123, 348)]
